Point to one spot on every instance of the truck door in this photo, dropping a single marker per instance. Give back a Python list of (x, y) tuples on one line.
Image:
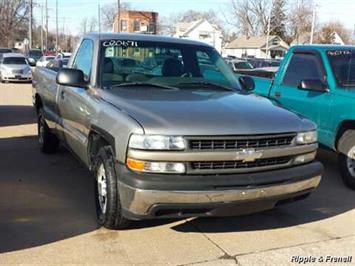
[(312, 104), (75, 106)]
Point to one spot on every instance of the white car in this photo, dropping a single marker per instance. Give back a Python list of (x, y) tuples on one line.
[(44, 61), (15, 67), (63, 55)]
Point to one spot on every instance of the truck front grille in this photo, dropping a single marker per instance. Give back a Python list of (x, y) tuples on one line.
[(214, 165), (241, 142)]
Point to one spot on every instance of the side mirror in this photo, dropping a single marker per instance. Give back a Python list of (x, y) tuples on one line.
[(71, 77), (313, 85), (247, 83)]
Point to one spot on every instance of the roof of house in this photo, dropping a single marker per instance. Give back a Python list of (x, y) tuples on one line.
[(187, 27), (253, 42)]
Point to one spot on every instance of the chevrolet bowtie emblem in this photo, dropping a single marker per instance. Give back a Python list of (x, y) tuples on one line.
[(248, 155)]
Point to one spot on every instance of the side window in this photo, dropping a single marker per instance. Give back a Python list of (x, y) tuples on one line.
[(301, 67), (83, 60)]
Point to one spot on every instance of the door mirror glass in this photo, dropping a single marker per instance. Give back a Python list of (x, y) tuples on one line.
[(71, 77), (247, 83), (313, 85)]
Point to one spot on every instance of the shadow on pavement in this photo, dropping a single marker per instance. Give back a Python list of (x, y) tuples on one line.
[(17, 115), (330, 199), (42, 198), (45, 198)]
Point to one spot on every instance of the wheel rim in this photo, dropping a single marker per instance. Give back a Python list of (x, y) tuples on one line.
[(102, 188), (351, 161), (41, 132)]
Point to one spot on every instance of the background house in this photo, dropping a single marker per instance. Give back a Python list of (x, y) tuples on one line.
[(256, 47), (200, 30), (136, 22)]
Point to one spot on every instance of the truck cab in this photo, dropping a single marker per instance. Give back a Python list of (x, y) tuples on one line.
[(318, 82)]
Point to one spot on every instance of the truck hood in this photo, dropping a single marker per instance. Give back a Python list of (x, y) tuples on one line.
[(186, 112)]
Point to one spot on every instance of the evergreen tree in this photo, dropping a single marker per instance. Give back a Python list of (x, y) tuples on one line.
[(278, 19)]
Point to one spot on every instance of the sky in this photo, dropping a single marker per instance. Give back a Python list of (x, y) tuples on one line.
[(71, 12)]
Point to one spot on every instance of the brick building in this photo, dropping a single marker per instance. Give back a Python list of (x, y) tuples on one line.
[(136, 22)]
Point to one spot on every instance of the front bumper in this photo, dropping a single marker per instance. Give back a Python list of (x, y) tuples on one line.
[(138, 203)]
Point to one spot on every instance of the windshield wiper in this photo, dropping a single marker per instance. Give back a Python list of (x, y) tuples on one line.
[(206, 84), (144, 84)]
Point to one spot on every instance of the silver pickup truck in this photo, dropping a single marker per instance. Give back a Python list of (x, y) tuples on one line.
[(168, 131)]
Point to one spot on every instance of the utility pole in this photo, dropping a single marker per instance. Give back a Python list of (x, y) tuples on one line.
[(268, 33), (46, 24), (99, 16), (57, 34), (118, 15), (313, 22), (30, 25), (42, 25)]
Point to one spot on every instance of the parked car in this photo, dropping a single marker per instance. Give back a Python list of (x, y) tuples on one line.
[(319, 83), (14, 67), (185, 142), (33, 56), (44, 60), (261, 62), (57, 64), (239, 64), (63, 55), (4, 51)]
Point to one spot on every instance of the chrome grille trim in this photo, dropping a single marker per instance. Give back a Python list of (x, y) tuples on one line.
[(240, 142)]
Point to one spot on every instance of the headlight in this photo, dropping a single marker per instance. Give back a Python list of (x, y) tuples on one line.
[(6, 71), (152, 142), (305, 158), (156, 167), (307, 137)]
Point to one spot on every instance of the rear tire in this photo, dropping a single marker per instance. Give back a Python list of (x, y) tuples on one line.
[(47, 141), (346, 158), (108, 205)]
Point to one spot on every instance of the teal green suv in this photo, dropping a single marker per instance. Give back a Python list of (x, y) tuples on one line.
[(318, 82)]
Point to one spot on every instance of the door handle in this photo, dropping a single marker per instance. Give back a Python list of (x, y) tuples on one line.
[(277, 94)]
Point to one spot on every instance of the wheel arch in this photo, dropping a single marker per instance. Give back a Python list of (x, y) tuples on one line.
[(98, 138), (342, 128)]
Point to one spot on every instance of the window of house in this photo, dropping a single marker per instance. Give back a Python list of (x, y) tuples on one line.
[(124, 25), (136, 25), (301, 67)]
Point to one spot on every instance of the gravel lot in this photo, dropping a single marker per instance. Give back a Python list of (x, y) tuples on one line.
[(47, 214)]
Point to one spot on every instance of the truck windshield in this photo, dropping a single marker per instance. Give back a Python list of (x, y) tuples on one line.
[(343, 66), (169, 64), (14, 61)]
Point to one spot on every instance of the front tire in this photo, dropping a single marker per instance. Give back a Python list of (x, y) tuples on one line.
[(108, 205), (346, 158), (47, 141)]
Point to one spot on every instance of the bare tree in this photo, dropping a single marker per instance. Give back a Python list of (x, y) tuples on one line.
[(300, 19), (13, 20), (249, 17), (326, 33), (84, 25)]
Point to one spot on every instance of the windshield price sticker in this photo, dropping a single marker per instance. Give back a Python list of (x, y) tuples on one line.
[(119, 43), (338, 53)]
